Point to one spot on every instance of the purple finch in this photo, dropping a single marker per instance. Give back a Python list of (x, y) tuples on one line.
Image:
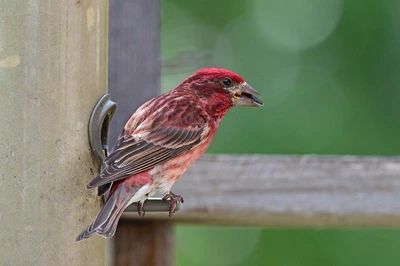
[(162, 139)]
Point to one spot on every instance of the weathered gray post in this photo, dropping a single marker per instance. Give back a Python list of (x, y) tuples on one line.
[(53, 69)]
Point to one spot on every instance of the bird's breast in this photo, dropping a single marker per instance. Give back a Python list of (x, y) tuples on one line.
[(169, 172)]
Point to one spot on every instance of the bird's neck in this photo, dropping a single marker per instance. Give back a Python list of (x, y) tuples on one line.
[(218, 106)]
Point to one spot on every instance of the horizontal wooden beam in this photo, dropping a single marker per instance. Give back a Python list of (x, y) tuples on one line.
[(290, 191)]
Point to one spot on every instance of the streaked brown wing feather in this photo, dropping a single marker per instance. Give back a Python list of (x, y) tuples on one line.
[(134, 156), (159, 130)]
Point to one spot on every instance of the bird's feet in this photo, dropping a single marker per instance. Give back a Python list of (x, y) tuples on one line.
[(140, 209), (173, 199)]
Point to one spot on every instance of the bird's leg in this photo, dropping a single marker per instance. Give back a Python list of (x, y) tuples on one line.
[(173, 199), (140, 206), (140, 209)]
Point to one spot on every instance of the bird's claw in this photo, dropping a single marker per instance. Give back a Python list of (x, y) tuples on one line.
[(173, 199), (140, 209)]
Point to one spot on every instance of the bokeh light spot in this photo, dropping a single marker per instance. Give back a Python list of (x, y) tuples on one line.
[(297, 25)]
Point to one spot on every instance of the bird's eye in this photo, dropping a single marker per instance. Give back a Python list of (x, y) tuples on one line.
[(226, 82)]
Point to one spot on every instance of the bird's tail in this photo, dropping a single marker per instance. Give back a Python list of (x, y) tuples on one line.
[(107, 219)]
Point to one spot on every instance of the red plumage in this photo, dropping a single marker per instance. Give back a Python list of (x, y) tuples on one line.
[(162, 139)]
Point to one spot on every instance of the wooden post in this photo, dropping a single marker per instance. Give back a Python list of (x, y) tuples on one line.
[(134, 57), (53, 68), (143, 242), (134, 72)]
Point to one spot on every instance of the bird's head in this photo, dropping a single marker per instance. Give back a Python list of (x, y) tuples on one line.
[(218, 84)]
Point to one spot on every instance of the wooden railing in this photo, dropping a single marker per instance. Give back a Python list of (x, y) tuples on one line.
[(262, 190)]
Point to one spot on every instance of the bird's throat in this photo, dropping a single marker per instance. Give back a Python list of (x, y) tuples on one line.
[(217, 107)]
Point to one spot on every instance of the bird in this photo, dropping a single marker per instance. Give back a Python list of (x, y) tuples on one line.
[(161, 140)]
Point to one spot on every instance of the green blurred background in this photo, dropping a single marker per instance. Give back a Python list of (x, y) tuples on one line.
[(328, 73)]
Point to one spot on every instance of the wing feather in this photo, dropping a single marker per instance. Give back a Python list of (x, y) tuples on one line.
[(147, 142), (134, 156)]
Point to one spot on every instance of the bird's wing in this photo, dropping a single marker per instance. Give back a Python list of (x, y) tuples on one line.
[(140, 151)]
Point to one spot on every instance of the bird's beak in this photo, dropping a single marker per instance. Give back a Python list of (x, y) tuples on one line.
[(244, 95)]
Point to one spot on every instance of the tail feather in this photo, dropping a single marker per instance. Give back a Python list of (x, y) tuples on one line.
[(107, 219)]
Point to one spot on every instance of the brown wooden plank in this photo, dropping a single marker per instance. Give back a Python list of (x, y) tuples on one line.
[(290, 191), (134, 57), (142, 243), (134, 74)]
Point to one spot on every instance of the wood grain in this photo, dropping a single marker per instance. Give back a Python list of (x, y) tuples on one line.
[(315, 191)]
